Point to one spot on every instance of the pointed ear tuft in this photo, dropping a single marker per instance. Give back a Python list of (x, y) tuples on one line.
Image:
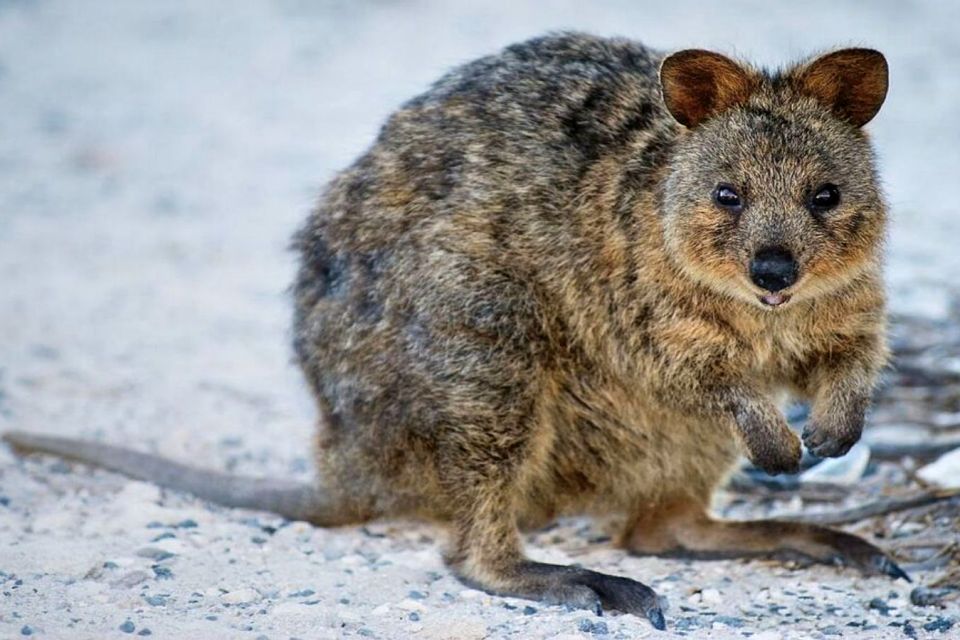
[(698, 84), (852, 83)]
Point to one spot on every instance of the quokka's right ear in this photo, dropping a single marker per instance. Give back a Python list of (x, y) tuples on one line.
[(852, 83), (698, 84)]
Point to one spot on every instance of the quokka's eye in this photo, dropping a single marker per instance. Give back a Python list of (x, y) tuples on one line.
[(826, 197), (727, 197)]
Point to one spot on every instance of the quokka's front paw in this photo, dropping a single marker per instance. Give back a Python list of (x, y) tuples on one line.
[(832, 438), (771, 444), (779, 456)]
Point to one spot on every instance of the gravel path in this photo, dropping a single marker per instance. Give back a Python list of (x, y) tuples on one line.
[(154, 160)]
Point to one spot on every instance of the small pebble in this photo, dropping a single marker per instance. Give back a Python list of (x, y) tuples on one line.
[(940, 624), (156, 601), (730, 621), (154, 554), (127, 627), (144, 632), (687, 624), (930, 596), (878, 604), (163, 573), (414, 616), (417, 595), (711, 596), (529, 611), (186, 524), (26, 630)]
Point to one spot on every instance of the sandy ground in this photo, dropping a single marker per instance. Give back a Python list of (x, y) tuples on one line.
[(154, 160)]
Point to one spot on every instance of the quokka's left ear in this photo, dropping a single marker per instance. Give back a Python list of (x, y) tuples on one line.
[(698, 84), (852, 83)]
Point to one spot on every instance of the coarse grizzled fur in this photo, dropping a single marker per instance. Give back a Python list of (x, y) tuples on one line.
[(523, 301)]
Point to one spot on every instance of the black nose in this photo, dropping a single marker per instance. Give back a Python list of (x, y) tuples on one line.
[(773, 269)]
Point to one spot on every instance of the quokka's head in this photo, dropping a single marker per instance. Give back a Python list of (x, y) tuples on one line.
[(772, 193)]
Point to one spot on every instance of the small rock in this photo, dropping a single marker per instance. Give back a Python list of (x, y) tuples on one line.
[(931, 596), (161, 572), (144, 632), (154, 554), (414, 616), (687, 624), (186, 524), (26, 630), (156, 601), (127, 627), (944, 471), (417, 595), (166, 535), (730, 621), (878, 604), (529, 611), (940, 624)]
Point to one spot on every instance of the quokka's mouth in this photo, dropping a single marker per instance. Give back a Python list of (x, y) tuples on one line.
[(775, 299)]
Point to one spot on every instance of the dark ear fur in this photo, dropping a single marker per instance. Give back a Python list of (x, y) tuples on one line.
[(698, 84), (852, 83)]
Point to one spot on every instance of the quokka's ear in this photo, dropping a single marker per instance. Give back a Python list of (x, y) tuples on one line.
[(852, 83), (698, 84)]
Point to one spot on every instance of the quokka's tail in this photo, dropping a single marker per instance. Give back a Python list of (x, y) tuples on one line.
[(292, 500)]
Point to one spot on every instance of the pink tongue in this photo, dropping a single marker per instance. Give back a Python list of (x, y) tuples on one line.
[(773, 299)]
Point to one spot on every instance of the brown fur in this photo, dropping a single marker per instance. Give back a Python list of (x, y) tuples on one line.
[(522, 302)]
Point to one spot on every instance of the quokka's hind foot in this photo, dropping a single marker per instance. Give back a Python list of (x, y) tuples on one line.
[(687, 531), (572, 587), (487, 555)]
